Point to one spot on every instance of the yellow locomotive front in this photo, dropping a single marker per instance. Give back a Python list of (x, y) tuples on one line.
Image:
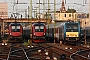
[(72, 32), (74, 36)]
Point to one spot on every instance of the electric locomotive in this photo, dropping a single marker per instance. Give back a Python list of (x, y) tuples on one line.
[(38, 32), (72, 31), (64, 31), (15, 31)]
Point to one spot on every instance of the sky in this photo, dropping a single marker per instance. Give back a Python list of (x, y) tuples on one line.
[(79, 5)]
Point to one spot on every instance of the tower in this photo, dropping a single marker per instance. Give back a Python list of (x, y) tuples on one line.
[(63, 9)]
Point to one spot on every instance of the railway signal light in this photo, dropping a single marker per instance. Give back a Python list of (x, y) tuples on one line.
[(88, 46), (2, 43), (70, 48), (89, 55), (5, 43), (46, 53), (66, 48), (28, 46), (54, 58), (32, 46), (47, 58), (39, 50), (63, 57)]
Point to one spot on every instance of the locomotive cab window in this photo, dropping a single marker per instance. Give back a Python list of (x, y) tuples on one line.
[(15, 28), (70, 27), (36, 27), (39, 28)]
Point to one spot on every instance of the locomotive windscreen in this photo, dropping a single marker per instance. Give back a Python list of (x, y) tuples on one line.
[(72, 27), (15, 28), (39, 27)]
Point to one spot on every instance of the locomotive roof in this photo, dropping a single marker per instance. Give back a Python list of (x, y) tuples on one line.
[(38, 24), (28, 27), (72, 22), (15, 24)]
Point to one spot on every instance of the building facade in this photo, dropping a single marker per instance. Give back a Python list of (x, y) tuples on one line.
[(3, 10), (82, 17), (66, 16)]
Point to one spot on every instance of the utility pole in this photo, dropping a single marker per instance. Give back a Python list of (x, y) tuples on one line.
[(39, 9), (47, 15), (43, 6), (54, 8), (54, 18), (34, 13), (89, 9), (25, 13), (48, 9), (30, 41), (28, 11), (31, 9)]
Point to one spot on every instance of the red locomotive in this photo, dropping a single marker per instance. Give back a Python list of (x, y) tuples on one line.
[(38, 32), (15, 31)]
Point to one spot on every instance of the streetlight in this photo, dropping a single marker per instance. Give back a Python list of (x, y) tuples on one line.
[(85, 33)]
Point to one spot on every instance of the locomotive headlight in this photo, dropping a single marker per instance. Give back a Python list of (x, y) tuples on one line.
[(10, 33), (44, 33), (34, 33)]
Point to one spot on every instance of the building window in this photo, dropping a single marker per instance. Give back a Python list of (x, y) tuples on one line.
[(69, 15), (65, 15)]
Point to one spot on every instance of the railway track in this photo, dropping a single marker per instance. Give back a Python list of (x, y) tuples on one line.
[(21, 52), (38, 52), (68, 51), (4, 51), (83, 53), (43, 51), (17, 52)]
